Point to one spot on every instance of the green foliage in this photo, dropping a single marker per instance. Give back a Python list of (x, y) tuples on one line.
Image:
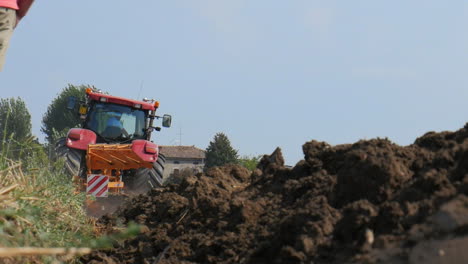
[(58, 119), (15, 120), (220, 152), (16, 141), (249, 162), (29, 152)]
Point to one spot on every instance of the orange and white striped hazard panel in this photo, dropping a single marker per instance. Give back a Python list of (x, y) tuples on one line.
[(97, 185)]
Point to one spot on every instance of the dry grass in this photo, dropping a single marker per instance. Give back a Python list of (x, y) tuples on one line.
[(40, 217)]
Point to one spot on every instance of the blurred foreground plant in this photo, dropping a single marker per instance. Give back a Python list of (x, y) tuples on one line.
[(39, 208)]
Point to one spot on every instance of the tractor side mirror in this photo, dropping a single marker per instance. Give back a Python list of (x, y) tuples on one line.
[(167, 120), (71, 103)]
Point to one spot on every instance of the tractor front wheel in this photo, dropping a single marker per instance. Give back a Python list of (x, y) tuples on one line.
[(72, 157), (146, 179)]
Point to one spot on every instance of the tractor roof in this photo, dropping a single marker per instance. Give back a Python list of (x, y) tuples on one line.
[(96, 96)]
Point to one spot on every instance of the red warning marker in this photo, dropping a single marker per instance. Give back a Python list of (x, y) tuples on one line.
[(97, 185)]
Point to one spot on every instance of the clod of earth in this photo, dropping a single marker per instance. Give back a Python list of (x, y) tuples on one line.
[(368, 202)]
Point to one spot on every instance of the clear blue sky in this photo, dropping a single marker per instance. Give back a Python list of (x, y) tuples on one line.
[(268, 73)]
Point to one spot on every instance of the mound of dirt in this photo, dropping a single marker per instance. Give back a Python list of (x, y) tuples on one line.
[(368, 202)]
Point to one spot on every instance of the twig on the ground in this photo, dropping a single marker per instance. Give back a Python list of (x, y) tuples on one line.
[(8, 189), (161, 255), (182, 217), (31, 251)]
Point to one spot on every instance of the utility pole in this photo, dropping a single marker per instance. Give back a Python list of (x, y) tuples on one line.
[(180, 136)]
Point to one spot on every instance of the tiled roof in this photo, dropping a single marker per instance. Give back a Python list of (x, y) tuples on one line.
[(186, 152)]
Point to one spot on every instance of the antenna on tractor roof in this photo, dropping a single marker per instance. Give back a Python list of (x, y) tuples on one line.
[(141, 88)]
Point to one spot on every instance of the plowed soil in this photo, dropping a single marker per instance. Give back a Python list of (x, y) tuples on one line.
[(368, 202)]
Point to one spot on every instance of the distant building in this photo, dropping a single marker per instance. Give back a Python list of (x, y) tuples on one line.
[(181, 157)]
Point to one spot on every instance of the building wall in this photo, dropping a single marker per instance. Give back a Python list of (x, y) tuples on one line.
[(172, 165)]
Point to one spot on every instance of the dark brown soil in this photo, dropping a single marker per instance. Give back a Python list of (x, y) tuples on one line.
[(368, 202)]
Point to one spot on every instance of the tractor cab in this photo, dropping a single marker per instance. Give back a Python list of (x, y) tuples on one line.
[(116, 123), (118, 120)]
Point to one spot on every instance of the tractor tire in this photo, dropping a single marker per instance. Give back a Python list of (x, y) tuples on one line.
[(71, 157), (146, 179)]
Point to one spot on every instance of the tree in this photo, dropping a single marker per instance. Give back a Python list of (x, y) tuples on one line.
[(16, 139), (15, 120), (250, 162), (58, 120), (220, 152)]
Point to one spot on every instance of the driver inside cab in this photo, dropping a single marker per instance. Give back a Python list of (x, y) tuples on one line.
[(114, 128)]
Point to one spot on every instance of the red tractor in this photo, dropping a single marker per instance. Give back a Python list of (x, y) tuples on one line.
[(112, 149)]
